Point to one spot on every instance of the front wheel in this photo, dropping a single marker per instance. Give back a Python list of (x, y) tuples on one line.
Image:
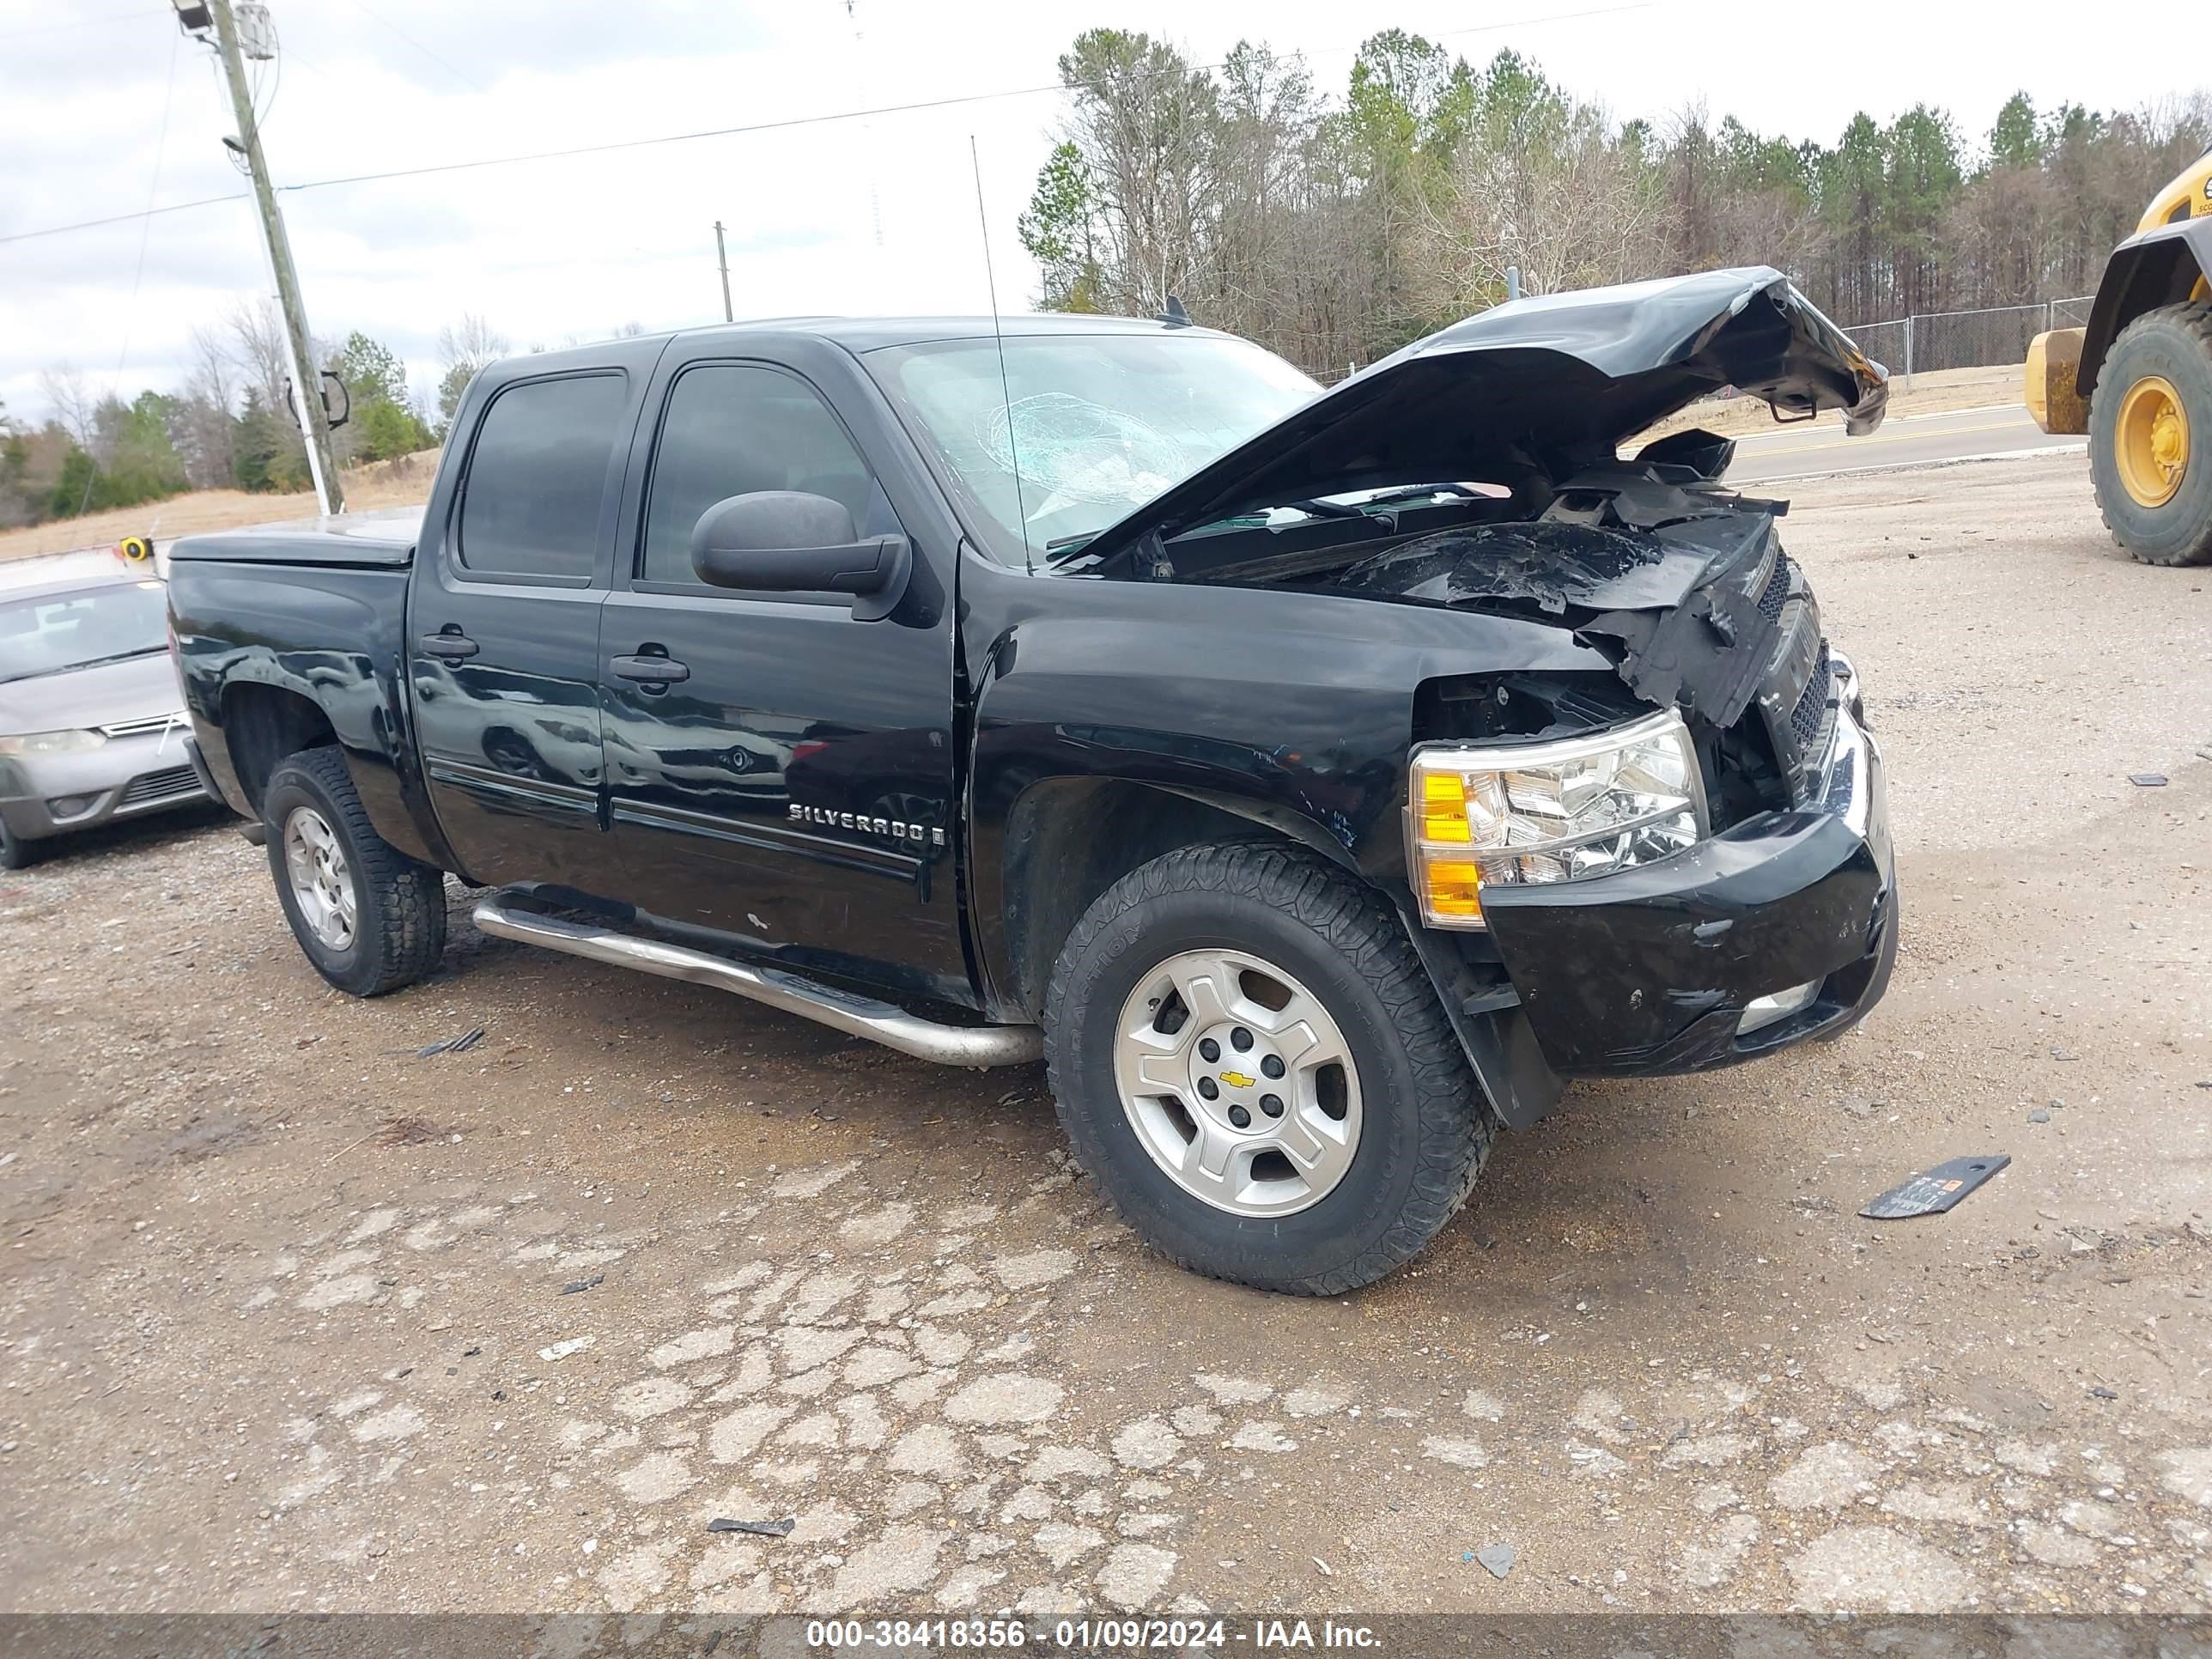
[(1251, 1062), (2150, 436), (16, 853), (368, 917)]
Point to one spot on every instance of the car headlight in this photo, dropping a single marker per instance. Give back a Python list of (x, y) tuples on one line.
[(1499, 815), (50, 743)]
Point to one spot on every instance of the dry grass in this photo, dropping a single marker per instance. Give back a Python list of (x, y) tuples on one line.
[(400, 483)]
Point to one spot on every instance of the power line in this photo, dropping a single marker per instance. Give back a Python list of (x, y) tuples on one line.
[(785, 125), (395, 28), (75, 24), (665, 139), (126, 218)]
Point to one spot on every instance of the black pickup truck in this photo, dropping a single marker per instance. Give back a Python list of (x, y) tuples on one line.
[(1314, 778)]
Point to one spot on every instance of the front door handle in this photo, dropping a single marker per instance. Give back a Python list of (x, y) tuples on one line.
[(452, 646), (650, 670)]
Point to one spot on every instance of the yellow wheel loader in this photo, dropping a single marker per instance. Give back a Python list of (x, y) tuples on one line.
[(2138, 380)]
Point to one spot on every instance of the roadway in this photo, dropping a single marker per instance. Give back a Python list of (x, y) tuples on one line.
[(1910, 441)]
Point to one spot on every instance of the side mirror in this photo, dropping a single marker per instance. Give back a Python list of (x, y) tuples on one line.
[(788, 541)]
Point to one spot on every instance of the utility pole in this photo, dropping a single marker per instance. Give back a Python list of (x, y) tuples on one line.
[(722, 259), (306, 381)]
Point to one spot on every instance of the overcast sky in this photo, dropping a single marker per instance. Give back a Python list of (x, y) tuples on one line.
[(863, 215)]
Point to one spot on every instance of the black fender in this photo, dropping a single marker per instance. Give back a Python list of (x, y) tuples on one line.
[(233, 625), (1113, 721), (2157, 267)]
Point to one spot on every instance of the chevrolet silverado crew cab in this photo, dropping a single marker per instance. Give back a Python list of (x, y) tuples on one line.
[(1314, 780)]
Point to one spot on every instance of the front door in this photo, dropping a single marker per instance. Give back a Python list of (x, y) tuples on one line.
[(503, 634), (781, 775)]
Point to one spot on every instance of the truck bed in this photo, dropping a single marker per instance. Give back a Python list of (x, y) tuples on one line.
[(385, 538)]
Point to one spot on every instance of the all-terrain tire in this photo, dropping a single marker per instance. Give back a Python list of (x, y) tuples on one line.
[(17, 853), (1426, 1126), (399, 904), (2175, 343)]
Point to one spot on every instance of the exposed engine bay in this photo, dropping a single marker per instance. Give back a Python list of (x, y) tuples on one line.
[(1681, 582)]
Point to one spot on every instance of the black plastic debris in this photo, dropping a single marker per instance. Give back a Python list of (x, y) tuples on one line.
[(459, 1045), (577, 1286), (758, 1528), (2147, 780), (2103, 1394), (1934, 1191)]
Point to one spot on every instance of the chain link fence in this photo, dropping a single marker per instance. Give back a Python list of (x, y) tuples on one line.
[(1991, 336)]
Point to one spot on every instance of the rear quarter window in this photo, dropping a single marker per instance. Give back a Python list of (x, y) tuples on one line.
[(538, 478)]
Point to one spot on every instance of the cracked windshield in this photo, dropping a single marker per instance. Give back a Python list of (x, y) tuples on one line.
[(1082, 430)]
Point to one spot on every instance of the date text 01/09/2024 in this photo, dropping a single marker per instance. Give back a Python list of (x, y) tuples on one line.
[(1087, 1635)]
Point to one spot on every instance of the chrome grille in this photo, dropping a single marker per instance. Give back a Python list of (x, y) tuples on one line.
[(1812, 702), (1771, 597), (151, 723)]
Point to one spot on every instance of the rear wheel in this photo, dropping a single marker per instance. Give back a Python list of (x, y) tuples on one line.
[(2150, 436), (1251, 1062), (368, 917)]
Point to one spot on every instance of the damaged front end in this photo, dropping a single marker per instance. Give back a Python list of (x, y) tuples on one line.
[(1689, 592), (1682, 865), (1628, 952)]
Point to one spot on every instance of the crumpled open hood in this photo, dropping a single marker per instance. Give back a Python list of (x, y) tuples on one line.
[(1547, 385)]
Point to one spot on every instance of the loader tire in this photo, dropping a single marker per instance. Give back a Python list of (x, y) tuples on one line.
[(2150, 436)]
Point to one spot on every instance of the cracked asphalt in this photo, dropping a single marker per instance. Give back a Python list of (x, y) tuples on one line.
[(291, 1319)]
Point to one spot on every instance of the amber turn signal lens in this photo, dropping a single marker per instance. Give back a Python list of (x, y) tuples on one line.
[(1453, 887), (1444, 806)]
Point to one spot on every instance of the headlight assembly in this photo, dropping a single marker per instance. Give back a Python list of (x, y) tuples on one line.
[(1495, 815), (50, 743)]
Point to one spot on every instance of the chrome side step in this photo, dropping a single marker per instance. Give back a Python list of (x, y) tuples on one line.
[(845, 1010)]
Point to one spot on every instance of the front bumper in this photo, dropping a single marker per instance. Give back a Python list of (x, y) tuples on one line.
[(48, 795), (1650, 970)]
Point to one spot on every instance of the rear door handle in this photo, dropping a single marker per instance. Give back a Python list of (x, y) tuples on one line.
[(452, 648), (650, 670)]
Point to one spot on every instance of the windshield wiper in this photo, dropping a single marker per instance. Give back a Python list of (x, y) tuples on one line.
[(1414, 492)]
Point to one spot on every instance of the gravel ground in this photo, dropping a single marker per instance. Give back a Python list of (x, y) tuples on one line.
[(294, 1319)]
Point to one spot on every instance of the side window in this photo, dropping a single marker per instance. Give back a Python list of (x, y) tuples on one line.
[(731, 428), (530, 505)]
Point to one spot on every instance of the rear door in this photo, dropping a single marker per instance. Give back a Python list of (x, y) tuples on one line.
[(503, 637), (793, 792)]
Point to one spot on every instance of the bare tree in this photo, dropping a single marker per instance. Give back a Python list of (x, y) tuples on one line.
[(463, 348), (1555, 196), (1144, 121), (472, 341), (259, 350), (71, 399), (207, 409)]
